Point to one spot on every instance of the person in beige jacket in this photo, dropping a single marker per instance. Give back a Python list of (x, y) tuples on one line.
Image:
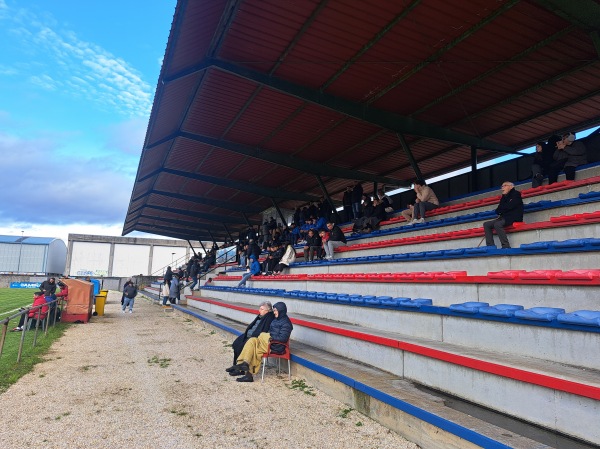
[(426, 200)]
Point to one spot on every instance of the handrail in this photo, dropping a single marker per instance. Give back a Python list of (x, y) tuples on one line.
[(37, 309)]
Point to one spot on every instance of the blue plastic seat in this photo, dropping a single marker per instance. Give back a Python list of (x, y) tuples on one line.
[(580, 317), (417, 254), (504, 310), (468, 307), (454, 252), (438, 253), (343, 298), (373, 300), (331, 297), (356, 299), (539, 313), (571, 243), (400, 256), (536, 246), (386, 256), (480, 250), (414, 303), (584, 196), (386, 300), (321, 296)]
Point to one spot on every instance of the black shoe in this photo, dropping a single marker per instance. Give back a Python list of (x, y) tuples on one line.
[(236, 372), (247, 378), (242, 366), (231, 368)]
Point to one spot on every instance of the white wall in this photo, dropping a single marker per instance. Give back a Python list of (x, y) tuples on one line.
[(89, 259), (162, 257), (130, 260)]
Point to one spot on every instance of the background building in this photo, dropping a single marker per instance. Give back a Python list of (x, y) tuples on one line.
[(32, 255), (95, 255)]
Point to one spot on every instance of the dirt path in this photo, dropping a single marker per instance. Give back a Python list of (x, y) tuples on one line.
[(156, 379)]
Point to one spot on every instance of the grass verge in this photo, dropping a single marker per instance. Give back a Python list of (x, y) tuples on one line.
[(10, 370)]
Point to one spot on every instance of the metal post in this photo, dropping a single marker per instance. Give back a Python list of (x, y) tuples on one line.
[(20, 250), (474, 180), (329, 200), (409, 155), (25, 323), (279, 212), (3, 338)]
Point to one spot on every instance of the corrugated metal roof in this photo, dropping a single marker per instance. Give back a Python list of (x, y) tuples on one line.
[(259, 99), (26, 240)]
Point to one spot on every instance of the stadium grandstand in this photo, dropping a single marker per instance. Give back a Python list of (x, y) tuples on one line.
[(264, 107)]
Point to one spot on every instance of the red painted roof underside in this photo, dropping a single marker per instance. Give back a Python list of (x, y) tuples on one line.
[(507, 72)]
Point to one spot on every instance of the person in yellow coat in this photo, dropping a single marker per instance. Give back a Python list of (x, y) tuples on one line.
[(250, 358)]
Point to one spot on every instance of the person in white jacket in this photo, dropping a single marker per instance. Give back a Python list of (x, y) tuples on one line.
[(288, 257)]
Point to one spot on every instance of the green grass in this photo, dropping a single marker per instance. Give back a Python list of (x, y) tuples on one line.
[(13, 298), (10, 370)]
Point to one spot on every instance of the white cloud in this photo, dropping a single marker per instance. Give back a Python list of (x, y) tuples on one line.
[(41, 187), (75, 67)]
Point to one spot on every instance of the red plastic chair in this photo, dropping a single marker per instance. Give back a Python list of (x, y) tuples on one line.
[(285, 356)]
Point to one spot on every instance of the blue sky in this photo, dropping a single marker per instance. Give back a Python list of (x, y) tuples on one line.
[(77, 80)]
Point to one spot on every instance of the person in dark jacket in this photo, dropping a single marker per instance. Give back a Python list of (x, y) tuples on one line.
[(336, 238), (129, 292), (250, 358), (569, 155), (48, 287), (347, 203), (357, 194), (509, 210), (542, 159), (168, 276), (261, 324)]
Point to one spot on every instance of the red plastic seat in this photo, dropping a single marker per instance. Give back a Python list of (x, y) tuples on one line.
[(269, 355)]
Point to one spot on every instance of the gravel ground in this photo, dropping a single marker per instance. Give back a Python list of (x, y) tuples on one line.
[(156, 379)]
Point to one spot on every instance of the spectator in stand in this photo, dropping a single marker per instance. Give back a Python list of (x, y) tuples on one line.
[(509, 210), (173, 291), (357, 194), (542, 159), (254, 270), (242, 255), (253, 250), (168, 276), (38, 314), (194, 273), (313, 246), (336, 239), (408, 213), (324, 236), (426, 200), (260, 324), (386, 201), (272, 259), (373, 216), (289, 257), (296, 215), (347, 203), (250, 358), (324, 209), (569, 155), (208, 282)]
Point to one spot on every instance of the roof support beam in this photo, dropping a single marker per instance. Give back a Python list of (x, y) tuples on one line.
[(384, 119), (409, 155), (183, 223), (583, 13), (276, 206), (329, 200), (236, 185), (201, 215), (315, 168), (238, 207)]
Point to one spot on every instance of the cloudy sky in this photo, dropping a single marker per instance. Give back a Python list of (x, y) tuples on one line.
[(77, 80)]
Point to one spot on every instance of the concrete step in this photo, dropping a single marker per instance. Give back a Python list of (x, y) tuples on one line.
[(421, 415)]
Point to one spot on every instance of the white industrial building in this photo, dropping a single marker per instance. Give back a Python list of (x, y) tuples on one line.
[(32, 255), (95, 256)]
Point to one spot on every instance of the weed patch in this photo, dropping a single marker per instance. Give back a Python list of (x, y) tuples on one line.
[(163, 363), (301, 385)]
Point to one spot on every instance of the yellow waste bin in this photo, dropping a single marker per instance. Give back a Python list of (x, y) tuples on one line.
[(100, 301), (103, 292)]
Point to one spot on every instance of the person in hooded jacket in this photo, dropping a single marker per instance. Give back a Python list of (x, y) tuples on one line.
[(254, 270), (250, 358), (38, 314), (168, 276), (261, 324)]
